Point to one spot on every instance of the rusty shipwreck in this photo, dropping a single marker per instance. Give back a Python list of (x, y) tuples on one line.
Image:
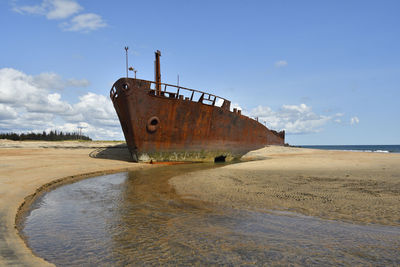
[(164, 122)]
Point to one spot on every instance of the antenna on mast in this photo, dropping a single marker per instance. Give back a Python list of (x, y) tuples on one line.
[(126, 56)]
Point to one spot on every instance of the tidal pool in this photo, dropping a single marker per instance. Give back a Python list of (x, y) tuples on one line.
[(135, 218)]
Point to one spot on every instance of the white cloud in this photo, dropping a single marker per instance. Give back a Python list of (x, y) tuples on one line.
[(77, 83), (7, 113), (16, 86), (27, 103), (354, 120), (53, 81), (294, 119), (64, 9), (96, 110), (27, 87), (281, 63), (50, 103), (48, 80), (84, 23), (52, 9), (37, 10)]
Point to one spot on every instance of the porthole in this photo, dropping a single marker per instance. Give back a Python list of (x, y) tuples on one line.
[(152, 124)]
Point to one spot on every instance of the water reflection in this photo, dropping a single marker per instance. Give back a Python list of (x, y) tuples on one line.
[(137, 219)]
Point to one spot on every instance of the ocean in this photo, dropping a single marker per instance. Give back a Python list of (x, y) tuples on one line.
[(363, 148)]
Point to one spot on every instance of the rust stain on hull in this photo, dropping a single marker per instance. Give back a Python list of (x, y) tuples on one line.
[(165, 125)]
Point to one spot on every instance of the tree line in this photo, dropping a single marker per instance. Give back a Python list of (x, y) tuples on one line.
[(51, 136)]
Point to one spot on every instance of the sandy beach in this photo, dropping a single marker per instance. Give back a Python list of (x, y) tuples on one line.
[(358, 187), (30, 167)]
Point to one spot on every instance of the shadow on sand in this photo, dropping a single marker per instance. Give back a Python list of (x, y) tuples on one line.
[(117, 152)]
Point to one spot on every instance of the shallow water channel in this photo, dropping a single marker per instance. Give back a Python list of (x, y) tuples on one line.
[(135, 218)]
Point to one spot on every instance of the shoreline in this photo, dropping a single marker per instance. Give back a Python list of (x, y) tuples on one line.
[(30, 169), (25, 206), (357, 148)]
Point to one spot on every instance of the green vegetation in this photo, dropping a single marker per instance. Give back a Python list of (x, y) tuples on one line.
[(51, 136)]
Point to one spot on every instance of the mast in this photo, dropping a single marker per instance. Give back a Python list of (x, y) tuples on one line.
[(157, 72), (126, 59)]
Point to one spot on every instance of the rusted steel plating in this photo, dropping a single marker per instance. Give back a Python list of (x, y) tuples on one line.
[(205, 98)]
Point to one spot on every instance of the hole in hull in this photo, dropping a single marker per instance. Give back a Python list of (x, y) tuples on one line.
[(220, 159)]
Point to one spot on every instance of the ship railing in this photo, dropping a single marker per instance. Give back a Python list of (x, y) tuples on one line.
[(183, 93)]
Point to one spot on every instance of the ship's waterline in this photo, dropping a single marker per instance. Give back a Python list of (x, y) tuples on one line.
[(135, 218), (189, 156)]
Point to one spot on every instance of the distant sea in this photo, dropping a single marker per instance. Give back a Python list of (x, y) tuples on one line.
[(364, 148)]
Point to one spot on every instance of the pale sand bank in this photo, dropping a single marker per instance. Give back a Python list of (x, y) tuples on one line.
[(359, 187), (26, 166), (58, 144)]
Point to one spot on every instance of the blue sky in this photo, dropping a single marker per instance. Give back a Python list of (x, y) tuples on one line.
[(328, 72)]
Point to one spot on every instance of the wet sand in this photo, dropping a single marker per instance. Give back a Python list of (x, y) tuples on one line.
[(135, 219), (357, 187), (352, 186), (29, 167)]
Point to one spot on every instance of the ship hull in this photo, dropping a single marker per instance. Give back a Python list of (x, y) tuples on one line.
[(168, 127)]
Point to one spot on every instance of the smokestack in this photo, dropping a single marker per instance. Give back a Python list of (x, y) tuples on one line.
[(157, 72)]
